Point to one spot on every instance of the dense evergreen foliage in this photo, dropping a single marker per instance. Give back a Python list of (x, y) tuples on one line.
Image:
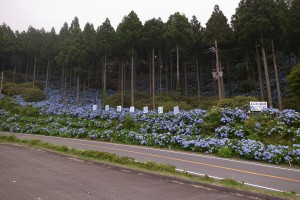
[(174, 57)]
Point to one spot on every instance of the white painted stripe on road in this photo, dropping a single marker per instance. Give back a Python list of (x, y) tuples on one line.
[(198, 174), (215, 177), (263, 187), (176, 152)]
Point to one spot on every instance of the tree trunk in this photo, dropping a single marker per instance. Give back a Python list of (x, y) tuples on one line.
[(1, 84), (276, 78), (185, 81), (150, 74), (222, 81), (27, 68), (77, 93), (177, 67), (247, 67), (171, 68), (266, 75), (160, 67), (14, 73), (132, 79), (89, 77), (261, 87), (62, 77), (65, 91), (104, 82), (198, 79), (20, 68), (122, 84), (229, 78), (34, 69), (166, 75), (153, 80), (47, 75)]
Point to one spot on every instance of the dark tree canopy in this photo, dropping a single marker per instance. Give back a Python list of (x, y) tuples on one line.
[(256, 18), (217, 28)]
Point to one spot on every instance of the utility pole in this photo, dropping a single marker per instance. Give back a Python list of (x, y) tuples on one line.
[(218, 70)]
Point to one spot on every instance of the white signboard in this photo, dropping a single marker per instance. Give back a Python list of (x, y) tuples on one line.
[(131, 109), (160, 110), (145, 110), (94, 107), (258, 106), (107, 108), (176, 110), (119, 108)]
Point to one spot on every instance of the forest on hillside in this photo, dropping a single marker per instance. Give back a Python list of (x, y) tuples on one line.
[(252, 55)]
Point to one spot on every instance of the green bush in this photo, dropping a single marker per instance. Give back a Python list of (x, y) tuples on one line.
[(33, 94), (293, 80), (30, 111), (293, 99), (292, 102), (129, 123), (12, 89), (238, 101), (225, 152)]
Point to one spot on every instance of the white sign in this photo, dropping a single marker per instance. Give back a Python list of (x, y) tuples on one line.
[(176, 110), (107, 108), (160, 110), (119, 108), (145, 110), (131, 109), (94, 107), (258, 106)]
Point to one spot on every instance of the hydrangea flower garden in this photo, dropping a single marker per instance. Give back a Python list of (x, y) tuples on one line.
[(271, 136)]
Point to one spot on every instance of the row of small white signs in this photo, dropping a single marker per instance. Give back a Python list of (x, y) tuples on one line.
[(160, 110), (254, 107)]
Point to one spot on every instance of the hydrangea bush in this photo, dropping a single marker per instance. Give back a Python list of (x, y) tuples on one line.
[(272, 136)]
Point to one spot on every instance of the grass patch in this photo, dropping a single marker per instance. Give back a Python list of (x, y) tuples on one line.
[(128, 162)]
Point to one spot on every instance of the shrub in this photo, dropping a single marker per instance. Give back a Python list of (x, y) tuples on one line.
[(12, 89), (30, 111), (225, 152), (293, 79), (33, 94), (237, 102), (292, 102)]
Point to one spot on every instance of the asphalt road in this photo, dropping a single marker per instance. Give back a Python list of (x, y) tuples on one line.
[(251, 173), (33, 174)]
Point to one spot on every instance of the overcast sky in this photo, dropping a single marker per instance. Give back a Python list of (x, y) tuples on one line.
[(20, 14)]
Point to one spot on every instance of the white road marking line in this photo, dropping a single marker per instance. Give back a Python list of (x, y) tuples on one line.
[(215, 177)]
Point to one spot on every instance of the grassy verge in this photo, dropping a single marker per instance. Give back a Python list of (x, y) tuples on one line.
[(228, 185)]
